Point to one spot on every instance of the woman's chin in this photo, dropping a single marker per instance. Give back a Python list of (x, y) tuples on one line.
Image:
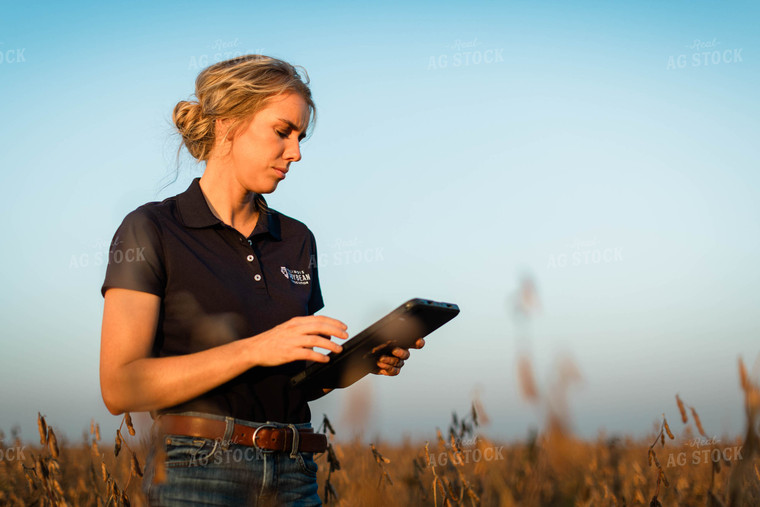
[(271, 188), (266, 188)]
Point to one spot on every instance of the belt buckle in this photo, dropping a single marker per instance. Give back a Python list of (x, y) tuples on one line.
[(296, 441), (256, 431)]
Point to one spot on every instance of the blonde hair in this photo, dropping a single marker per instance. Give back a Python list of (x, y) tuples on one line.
[(235, 89)]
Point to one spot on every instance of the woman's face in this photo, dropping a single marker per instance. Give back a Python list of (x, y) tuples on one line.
[(263, 150)]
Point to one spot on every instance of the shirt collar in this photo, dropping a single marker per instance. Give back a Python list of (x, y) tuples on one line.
[(194, 212)]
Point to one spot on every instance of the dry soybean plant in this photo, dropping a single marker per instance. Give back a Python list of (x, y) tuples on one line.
[(330, 494), (381, 462), (665, 429), (652, 457), (49, 484), (43, 477), (454, 490), (114, 493), (744, 483)]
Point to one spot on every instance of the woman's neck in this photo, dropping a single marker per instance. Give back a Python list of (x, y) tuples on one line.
[(229, 201)]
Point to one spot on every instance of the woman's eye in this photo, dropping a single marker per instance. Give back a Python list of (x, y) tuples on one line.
[(284, 135)]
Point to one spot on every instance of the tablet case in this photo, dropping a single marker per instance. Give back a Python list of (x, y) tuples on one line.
[(400, 328)]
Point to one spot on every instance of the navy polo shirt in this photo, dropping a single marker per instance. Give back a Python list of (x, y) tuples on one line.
[(216, 286)]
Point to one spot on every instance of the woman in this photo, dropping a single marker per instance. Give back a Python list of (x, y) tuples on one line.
[(210, 299)]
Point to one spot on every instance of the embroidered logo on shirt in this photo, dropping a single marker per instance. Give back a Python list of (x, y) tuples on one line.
[(295, 276)]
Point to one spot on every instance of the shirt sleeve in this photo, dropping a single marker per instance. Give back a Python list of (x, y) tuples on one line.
[(315, 301), (135, 257)]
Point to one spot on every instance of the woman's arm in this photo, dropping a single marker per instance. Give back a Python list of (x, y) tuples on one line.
[(132, 381)]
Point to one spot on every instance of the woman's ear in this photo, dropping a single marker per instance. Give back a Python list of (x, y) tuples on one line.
[(222, 137), (222, 129)]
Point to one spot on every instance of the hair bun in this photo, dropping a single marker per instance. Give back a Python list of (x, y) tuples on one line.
[(195, 128), (185, 114)]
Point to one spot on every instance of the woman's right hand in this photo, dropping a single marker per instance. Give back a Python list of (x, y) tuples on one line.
[(295, 339)]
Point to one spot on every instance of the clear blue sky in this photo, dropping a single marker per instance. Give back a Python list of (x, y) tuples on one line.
[(609, 149)]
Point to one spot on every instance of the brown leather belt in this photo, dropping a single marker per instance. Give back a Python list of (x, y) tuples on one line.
[(266, 436)]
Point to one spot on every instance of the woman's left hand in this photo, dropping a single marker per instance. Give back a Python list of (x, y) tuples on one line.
[(391, 365)]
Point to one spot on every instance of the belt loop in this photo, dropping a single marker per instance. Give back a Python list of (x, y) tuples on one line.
[(228, 431), (296, 441)]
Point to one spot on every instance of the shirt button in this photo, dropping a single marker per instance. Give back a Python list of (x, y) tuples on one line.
[(257, 277), (250, 258)]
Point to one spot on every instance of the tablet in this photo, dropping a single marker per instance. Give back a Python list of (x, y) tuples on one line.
[(402, 327)]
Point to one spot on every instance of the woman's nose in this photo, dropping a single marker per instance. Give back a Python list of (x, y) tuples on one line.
[(293, 151)]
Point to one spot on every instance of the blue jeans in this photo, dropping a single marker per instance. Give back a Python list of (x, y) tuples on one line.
[(202, 471)]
